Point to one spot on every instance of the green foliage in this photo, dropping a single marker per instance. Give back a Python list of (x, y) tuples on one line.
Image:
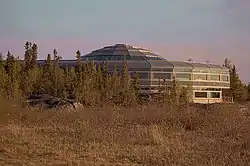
[(237, 89), (91, 84), (248, 92)]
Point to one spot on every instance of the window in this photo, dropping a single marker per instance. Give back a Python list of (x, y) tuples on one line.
[(201, 94), (225, 78), (141, 75), (153, 58), (183, 76), (145, 88), (162, 76), (200, 77), (215, 94), (215, 77), (134, 58)]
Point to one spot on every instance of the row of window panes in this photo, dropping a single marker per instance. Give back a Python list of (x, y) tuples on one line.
[(140, 75), (205, 94), (186, 76), (118, 57), (211, 77), (162, 75), (183, 76), (133, 74), (207, 89)]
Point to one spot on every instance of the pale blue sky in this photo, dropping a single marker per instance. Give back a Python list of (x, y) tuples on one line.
[(176, 29)]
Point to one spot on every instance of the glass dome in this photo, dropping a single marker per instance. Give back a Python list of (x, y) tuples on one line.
[(120, 52)]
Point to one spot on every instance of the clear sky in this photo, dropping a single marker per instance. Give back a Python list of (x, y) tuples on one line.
[(176, 29)]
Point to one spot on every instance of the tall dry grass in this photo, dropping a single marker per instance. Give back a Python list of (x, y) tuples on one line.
[(146, 135)]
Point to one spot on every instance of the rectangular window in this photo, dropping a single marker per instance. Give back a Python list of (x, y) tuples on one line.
[(200, 77), (183, 76), (225, 78), (215, 95), (141, 75), (162, 75), (215, 77), (201, 94)]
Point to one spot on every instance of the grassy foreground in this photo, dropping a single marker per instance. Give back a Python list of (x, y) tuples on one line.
[(147, 135)]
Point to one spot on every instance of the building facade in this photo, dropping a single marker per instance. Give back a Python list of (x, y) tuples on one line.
[(207, 80)]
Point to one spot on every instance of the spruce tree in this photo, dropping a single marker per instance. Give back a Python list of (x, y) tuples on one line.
[(16, 80), (116, 85), (3, 78), (27, 56), (125, 84), (9, 63), (134, 88), (237, 88), (174, 92), (47, 86), (78, 61), (34, 52), (125, 78), (248, 92)]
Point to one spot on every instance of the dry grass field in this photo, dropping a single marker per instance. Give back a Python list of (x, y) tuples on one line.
[(147, 135)]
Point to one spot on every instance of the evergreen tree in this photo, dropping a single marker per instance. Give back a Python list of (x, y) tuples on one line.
[(3, 77), (135, 83), (9, 63), (248, 92), (125, 78), (116, 85), (34, 51), (1, 56), (47, 86), (27, 56), (236, 85), (125, 85), (134, 88), (78, 61), (227, 63), (237, 89), (174, 92)]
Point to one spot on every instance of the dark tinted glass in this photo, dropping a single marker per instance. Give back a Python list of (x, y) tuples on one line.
[(119, 57), (215, 94), (201, 94), (161, 75), (183, 76)]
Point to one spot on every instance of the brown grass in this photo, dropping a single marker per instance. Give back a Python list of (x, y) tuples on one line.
[(148, 135)]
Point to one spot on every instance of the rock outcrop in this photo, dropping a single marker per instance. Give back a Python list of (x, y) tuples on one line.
[(47, 101)]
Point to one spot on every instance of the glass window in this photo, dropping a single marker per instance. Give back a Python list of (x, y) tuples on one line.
[(119, 58), (200, 77), (141, 75), (153, 58), (215, 94), (183, 76), (215, 77), (109, 57), (201, 94), (141, 58), (225, 78), (162, 75), (126, 57)]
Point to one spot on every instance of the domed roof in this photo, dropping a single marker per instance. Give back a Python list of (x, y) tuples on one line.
[(122, 52)]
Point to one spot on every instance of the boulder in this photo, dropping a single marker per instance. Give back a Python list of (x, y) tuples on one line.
[(48, 101)]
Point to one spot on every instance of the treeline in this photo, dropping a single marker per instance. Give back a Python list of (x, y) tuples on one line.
[(88, 83)]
